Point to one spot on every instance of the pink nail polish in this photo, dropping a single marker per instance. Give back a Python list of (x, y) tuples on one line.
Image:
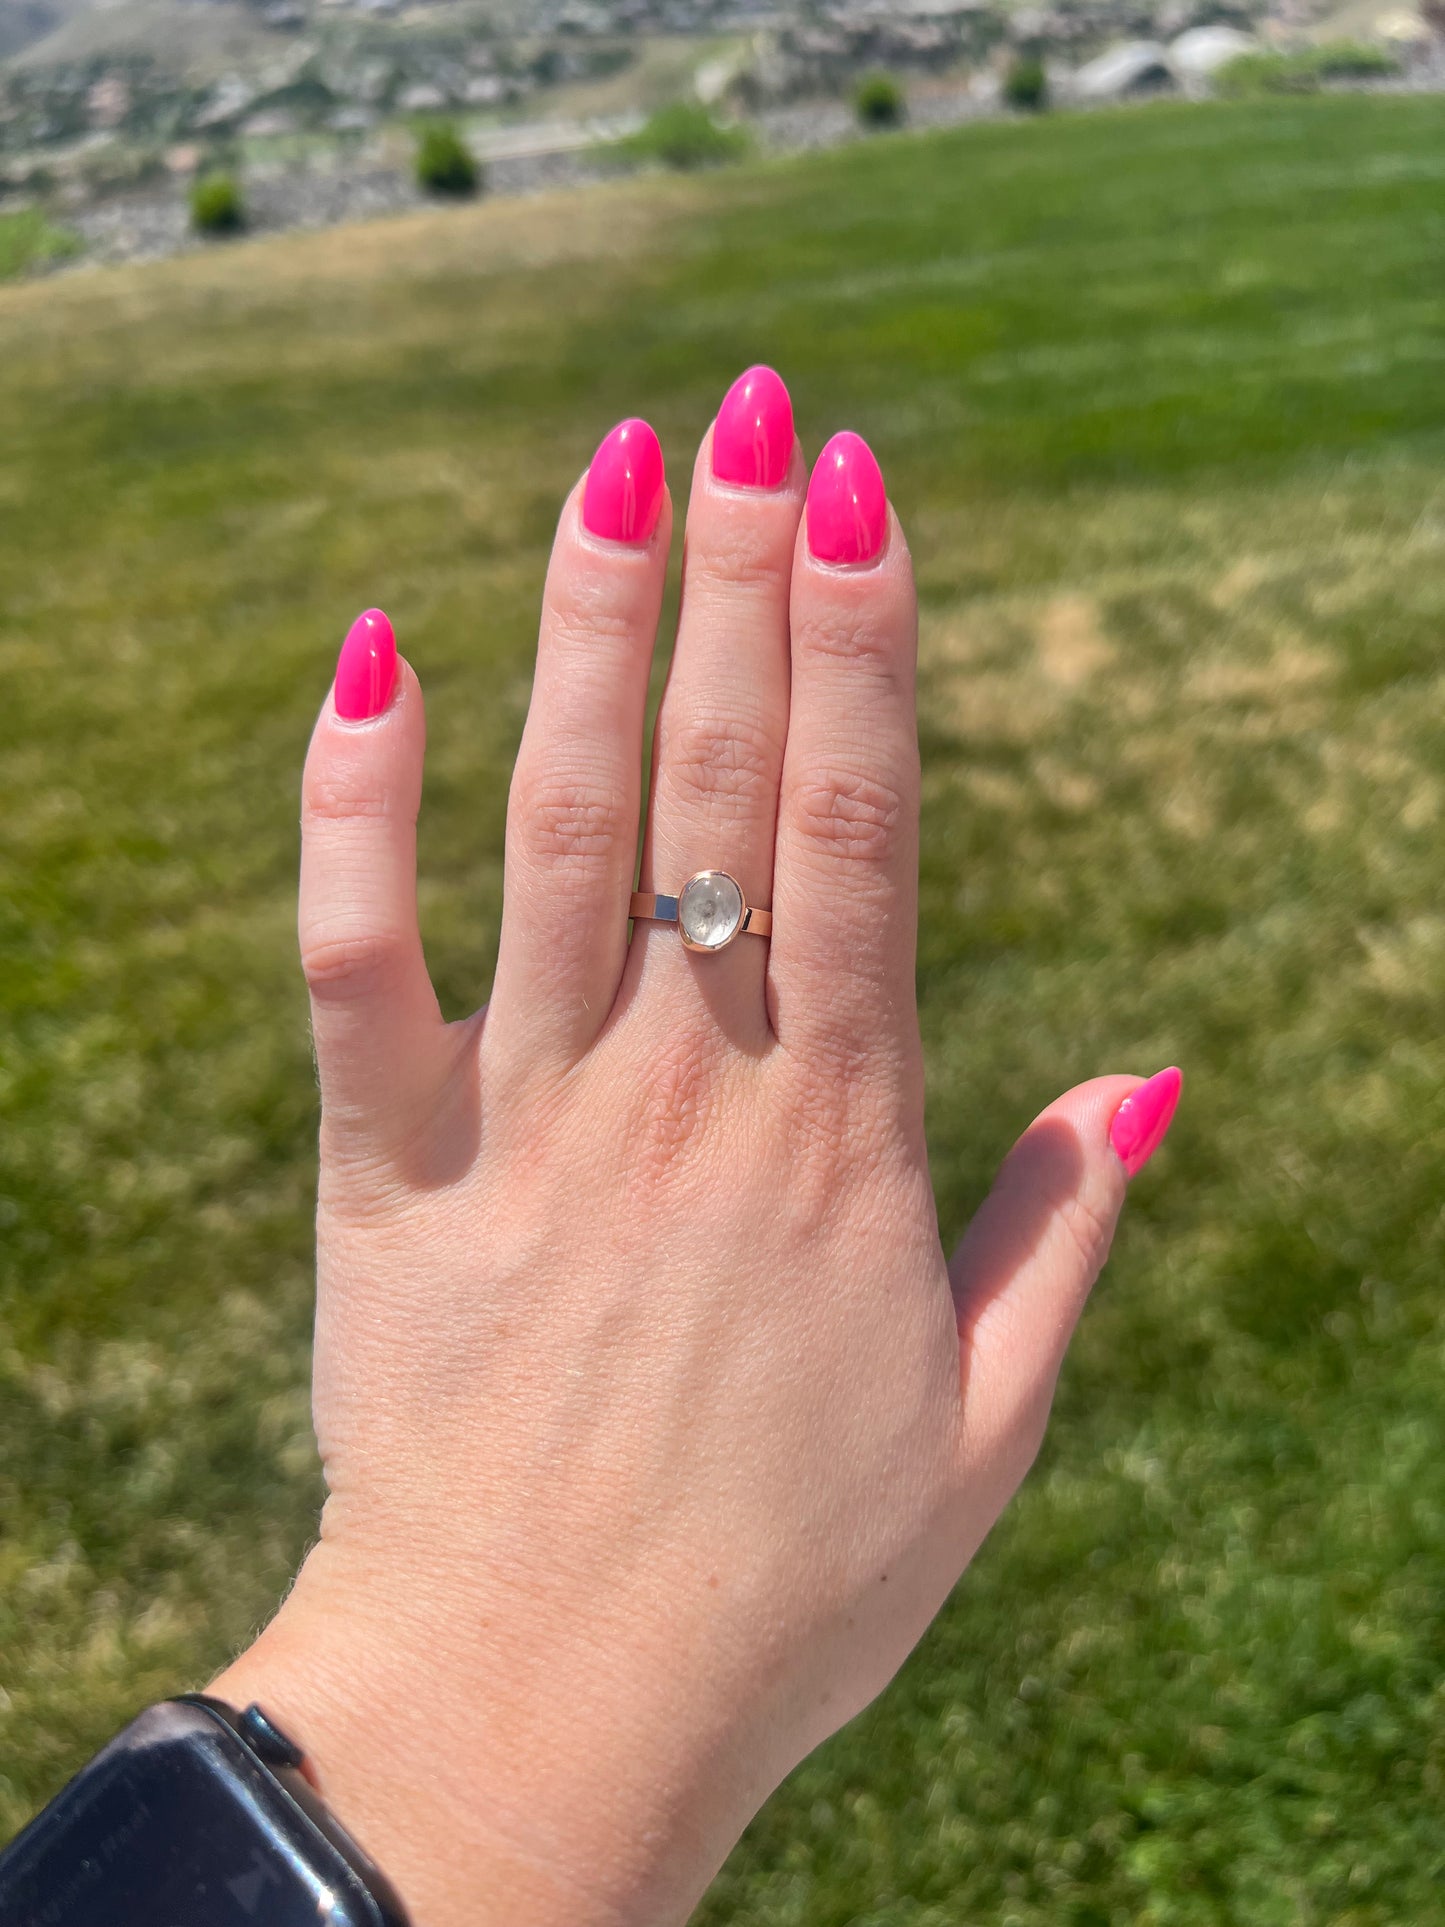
[(752, 439), (366, 669), (847, 502), (1142, 1121), (622, 496)]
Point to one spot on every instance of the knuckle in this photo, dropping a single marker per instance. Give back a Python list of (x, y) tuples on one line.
[(573, 821), (712, 760), (1089, 1233), (597, 616), (341, 966), (343, 796), (834, 1124), (860, 638), (743, 556), (673, 1108), (837, 812)]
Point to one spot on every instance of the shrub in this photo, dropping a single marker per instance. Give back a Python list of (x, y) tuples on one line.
[(445, 164), (1354, 60), (685, 135), (1305, 71), (1262, 73), (216, 205), (1026, 85), (28, 240), (878, 101)]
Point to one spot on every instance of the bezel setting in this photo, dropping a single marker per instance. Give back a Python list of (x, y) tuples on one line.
[(715, 879)]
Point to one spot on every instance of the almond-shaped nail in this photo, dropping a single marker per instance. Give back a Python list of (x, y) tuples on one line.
[(1142, 1121), (752, 439), (622, 496), (847, 511), (366, 668)]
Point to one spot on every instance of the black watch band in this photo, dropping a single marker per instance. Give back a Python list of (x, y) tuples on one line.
[(194, 1816)]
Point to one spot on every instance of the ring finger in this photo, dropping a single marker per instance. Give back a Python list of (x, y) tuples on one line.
[(718, 751)]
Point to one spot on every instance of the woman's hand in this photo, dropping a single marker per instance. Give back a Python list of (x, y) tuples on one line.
[(656, 1425)]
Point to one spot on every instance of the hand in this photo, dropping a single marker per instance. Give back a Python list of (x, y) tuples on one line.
[(655, 1425)]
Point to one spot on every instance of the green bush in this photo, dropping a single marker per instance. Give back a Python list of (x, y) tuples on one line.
[(1305, 71), (685, 135), (1354, 60), (445, 164), (878, 101), (1254, 74), (1026, 85), (28, 240), (216, 205)]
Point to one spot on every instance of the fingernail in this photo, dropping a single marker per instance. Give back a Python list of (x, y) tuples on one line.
[(752, 439), (622, 497), (366, 668), (1142, 1121), (847, 503)]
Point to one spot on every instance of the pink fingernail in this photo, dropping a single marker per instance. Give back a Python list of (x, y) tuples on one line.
[(622, 497), (847, 502), (752, 440), (1142, 1121), (366, 668)]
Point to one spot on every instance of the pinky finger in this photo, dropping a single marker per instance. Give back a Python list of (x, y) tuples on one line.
[(1029, 1260), (380, 1038)]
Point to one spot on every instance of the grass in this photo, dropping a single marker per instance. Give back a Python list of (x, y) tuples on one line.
[(1171, 465), (681, 135), (1307, 69), (28, 240)]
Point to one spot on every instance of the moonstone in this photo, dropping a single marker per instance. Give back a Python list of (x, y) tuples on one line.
[(710, 909)]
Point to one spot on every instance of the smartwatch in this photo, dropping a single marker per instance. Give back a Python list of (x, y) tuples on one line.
[(194, 1816)]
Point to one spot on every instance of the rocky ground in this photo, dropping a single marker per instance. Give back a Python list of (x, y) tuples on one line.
[(335, 188), (151, 225), (154, 223)]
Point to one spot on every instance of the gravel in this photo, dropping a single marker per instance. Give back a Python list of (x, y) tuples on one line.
[(151, 225)]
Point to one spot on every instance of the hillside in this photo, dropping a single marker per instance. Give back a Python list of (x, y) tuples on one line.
[(181, 33)]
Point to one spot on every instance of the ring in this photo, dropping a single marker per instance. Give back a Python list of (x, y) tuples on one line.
[(709, 911)]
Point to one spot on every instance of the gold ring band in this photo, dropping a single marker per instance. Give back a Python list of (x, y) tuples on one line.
[(709, 911)]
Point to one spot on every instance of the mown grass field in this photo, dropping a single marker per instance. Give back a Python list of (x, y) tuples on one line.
[(1161, 398)]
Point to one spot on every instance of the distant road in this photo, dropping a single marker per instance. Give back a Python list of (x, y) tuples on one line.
[(536, 138)]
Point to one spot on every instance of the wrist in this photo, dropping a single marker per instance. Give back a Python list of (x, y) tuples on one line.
[(491, 1780)]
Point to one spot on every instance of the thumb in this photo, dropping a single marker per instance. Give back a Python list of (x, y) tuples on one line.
[(1029, 1259)]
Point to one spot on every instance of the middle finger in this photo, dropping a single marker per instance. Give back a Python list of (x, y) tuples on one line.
[(718, 750)]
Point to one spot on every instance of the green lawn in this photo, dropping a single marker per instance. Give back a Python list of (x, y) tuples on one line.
[(1161, 398)]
